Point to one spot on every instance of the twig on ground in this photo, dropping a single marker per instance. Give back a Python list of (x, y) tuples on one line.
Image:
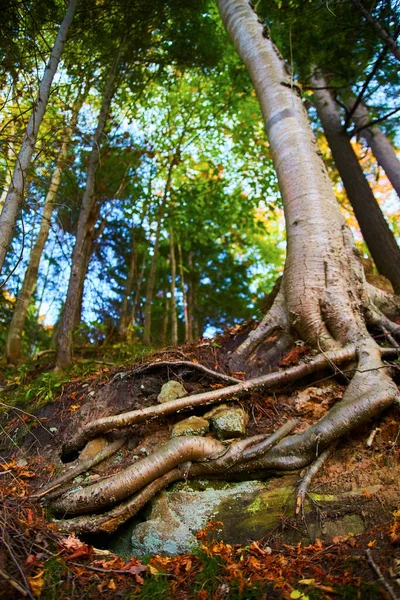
[(308, 477), (186, 363), (381, 578), (14, 583)]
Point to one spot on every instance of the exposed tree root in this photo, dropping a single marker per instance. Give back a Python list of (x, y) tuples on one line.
[(81, 466), (309, 476), (110, 521), (185, 363), (238, 452), (272, 380), (138, 475)]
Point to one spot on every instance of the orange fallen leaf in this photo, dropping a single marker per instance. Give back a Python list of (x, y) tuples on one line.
[(36, 583)]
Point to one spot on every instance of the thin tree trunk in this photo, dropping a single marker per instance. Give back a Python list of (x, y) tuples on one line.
[(123, 322), (153, 267), (90, 247), (138, 290), (381, 147), (377, 235), (165, 321), (190, 298), (9, 171), (15, 196), (64, 341), (185, 303), (13, 344), (379, 29), (174, 319)]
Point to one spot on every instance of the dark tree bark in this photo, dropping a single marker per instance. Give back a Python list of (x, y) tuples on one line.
[(381, 147), (376, 233)]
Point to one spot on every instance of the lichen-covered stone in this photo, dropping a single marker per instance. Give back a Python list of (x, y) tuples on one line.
[(190, 426), (249, 510), (228, 421), (172, 390)]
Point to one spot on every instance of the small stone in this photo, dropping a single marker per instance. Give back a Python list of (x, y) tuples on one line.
[(93, 447), (190, 426), (21, 462), (228, 422), (171, 391)]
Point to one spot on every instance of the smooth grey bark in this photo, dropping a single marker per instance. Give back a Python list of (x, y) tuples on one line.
[(323, 287), (174, 319), (15, 195), (13, 343), (376, 232), (381, 147), (378, 28), (64, 338)]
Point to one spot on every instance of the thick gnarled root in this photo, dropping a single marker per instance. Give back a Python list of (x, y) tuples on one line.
[(265, 382)]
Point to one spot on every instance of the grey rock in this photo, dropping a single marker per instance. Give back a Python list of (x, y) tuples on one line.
[(172, 390), (190, 426), (228, 421)]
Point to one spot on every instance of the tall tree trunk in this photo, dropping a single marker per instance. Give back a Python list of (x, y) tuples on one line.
[(377, 235), (174, 319), (13, 344), (15, 196), (90, 247), (323, 297), (153, 267), (165, 320), (136, 300), (184, 294), (124, 318), (64, 341), (381, 147), (190, 297), (378, 28), (10, 156)]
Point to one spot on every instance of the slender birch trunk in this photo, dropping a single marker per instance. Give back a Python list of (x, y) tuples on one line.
[(376, 232), (190, 298), (184, 294), (174, 319), (13, 344), (15, 195), (381, 147), (64, 340)]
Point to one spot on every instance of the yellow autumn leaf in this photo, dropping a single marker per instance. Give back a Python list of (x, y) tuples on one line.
[(371, 544), (307, 581), (36, 583), (152, 570), (112, 585)]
